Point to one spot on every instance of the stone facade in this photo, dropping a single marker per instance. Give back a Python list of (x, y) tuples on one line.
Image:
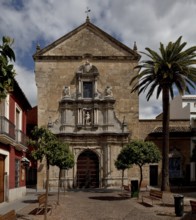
[(84, 98)]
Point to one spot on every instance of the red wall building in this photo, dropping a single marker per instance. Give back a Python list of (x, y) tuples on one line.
[(13, 144)]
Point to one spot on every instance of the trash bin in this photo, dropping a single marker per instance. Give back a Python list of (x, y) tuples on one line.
[(179, 204), (134, 188)]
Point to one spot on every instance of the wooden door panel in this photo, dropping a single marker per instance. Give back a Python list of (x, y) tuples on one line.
[(88, 170), (2, 170)]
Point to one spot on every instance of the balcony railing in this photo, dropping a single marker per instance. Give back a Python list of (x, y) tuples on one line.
[(6, 127), (21, 138), (10, 133)]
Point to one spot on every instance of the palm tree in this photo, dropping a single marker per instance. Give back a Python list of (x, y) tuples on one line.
[(171, 69)]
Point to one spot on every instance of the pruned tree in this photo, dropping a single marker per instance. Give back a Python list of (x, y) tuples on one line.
[(7, 72), (44, 143), (64, 159), (122, 163), (142, 152)]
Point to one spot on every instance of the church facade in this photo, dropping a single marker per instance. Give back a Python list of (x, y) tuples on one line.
[(84, 98)]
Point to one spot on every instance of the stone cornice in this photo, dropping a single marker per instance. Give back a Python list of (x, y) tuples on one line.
[(101, 134), (64, 58), (106, 137)]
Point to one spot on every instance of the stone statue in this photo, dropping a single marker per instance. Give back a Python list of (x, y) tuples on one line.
[(66, 91), (87, 66), (87, 118), (108, 91)]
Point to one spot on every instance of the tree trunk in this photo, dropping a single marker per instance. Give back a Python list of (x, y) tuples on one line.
[(59, 182), (47, 186), (122, 178), (141, 178), (165, 147)]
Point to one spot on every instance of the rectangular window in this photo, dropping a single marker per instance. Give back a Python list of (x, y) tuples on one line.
[(18, 124), (18, 120), (4, 107), (17, 173), (87, 89)]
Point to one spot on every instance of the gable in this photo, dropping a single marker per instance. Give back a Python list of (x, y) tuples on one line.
[(87, 39)]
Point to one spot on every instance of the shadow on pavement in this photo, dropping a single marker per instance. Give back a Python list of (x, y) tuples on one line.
[(30, 201), (165, 214), (93, 190), (34, 211), (145, 204), (22, 217), (109, 198)]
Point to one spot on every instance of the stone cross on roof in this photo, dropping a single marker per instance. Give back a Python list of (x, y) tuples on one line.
[(87, 12)]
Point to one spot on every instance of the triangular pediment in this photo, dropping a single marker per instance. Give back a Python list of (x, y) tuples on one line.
[(87, 39)]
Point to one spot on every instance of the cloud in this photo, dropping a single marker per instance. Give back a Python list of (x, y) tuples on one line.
[(26, 80), (149, 109), (147, 22)]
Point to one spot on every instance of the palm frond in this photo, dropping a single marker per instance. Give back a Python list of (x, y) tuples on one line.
[(173, 67)]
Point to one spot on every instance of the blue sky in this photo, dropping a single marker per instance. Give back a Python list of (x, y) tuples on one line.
[(32, 22)]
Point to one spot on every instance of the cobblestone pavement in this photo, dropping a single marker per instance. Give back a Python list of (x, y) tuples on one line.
[(107, 205)]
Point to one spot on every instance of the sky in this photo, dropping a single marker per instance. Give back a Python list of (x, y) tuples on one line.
[(148, 22)]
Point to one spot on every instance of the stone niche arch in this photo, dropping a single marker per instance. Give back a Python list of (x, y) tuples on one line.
[(87, 173)]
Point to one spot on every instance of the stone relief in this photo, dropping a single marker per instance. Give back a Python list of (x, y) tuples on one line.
[(80, 114), (108, 91), (87, 66), (66, 92), (87, 118)]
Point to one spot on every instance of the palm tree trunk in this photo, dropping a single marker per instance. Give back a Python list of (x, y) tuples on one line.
[(165, 148)]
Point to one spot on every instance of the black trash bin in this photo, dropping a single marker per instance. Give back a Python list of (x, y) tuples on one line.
[(179, 204), (134, 188)]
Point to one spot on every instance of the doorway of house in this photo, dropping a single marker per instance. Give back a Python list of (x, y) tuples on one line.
[(153, 175), (2, 170), (88, 170)]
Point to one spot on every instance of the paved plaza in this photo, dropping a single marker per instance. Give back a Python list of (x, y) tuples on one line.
[(101, 204)]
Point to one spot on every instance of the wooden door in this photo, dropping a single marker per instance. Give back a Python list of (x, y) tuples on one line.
[(2, 170), (88, 170)]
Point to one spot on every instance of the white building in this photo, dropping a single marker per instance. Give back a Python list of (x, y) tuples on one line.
[(190, 102), (184, 107)]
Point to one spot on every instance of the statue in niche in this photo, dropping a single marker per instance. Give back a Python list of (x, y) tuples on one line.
[(87, 118), (66, 91), (108, 91)]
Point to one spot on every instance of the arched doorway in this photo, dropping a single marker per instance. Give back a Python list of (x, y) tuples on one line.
[(88, 170)]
